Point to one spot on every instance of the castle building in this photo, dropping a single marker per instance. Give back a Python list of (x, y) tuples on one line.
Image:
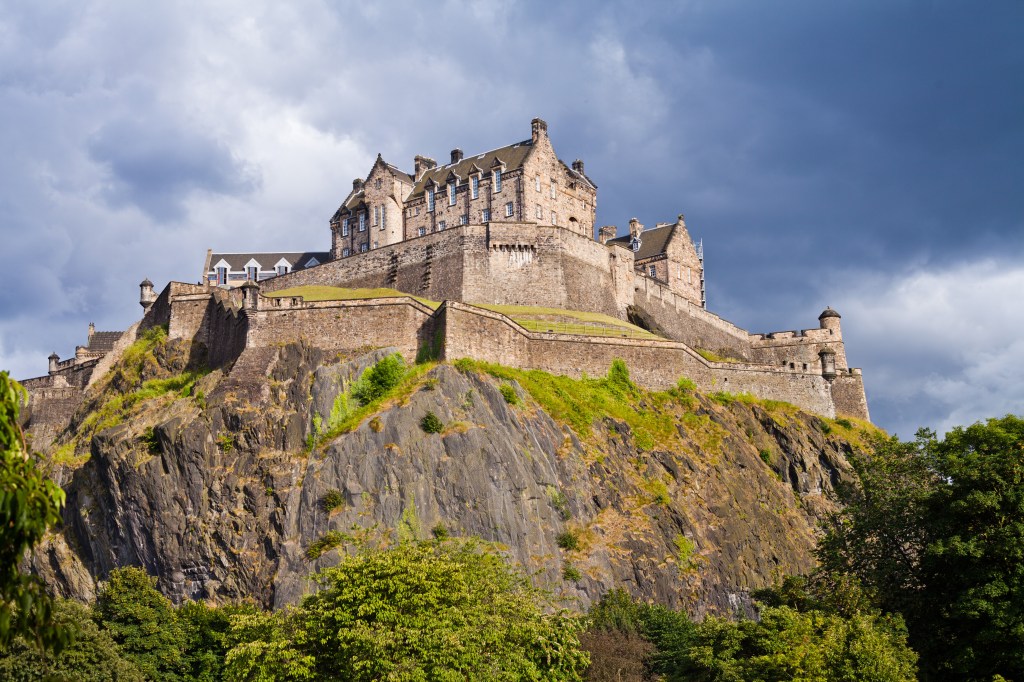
[(524, 182), (235, 269)]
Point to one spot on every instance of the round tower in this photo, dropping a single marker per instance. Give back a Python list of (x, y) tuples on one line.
[(829, 319), (146, 294), (54, 359)]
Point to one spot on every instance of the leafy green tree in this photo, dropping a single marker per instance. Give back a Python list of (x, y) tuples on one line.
[(379, 379), (435, 610), (142, 622), (207, 637), (30, 503), (264, 650), (91, 656), (935, 529)]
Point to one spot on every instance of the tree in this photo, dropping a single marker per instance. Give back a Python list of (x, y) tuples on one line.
[(142, 622), (207, 637), (30, 503), (429, 610), (91, 656), (935, 530)]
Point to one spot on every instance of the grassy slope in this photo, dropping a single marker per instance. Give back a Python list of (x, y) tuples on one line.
[(532, 318)]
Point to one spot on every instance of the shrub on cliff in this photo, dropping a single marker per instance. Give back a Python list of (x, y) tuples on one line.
[(379, 379)]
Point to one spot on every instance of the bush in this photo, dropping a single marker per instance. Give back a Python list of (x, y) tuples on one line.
[(440, 532), (509, 394), (766, 456), (571, 573), (379, 379), (560, 502), (326, 543), (844, 422), (618, 377), (568, 540), (431, 424), (332, 499), (150, 440)]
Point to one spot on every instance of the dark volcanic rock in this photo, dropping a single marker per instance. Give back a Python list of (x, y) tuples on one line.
[(228, 503)]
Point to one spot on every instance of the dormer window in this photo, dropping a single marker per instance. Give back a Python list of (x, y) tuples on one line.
[(497, 180), (282, 269), (634, 243), (430, 200), (451, 193), (252, 273), (222, 275), (474, 185)]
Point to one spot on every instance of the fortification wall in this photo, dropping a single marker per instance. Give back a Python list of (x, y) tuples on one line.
[(226, 327), (689, 323), (429, 266), (798, 347), (49, 410), (849, 396), (488, 336), (341, 325), (107, 361)]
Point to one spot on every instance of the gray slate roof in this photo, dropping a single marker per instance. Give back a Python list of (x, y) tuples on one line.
[(104, 341), (267, 260), (653, 242), (512, 156)]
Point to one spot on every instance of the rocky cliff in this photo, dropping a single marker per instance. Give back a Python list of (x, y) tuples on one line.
[(240, 483)]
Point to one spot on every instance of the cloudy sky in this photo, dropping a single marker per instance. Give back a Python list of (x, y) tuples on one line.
[(864, 155)]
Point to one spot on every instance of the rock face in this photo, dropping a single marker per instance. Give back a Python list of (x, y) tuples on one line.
[(221, 497)]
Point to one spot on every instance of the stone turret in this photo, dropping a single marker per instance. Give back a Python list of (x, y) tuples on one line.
[(250, 295), (146, 295), (54, 359), (828, 363), (829, 319), (92, 332)]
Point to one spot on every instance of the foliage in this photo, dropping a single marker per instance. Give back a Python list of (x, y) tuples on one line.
[(686, 551), (568, 540), (431, 423), (766, 456), (332, 499), (150, 440), (509, 394), (935, 529), (264, 650), (91, 655), (378, 380), (659, 491), (571, 573), (560, 502), (325, 543), (207, 638), (142, 622), (226, 442), (30, 503), (435, 610)]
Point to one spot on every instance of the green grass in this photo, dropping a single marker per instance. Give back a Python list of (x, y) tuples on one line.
[(711, 356), (578, 402), (538, 319), (312, 292)]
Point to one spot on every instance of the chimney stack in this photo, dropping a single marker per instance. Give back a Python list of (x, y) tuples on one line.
[(421, 164), (357, 184), (635, 228), (456, 155), (92, 331), (577, 166), (538, 128), (606, 233)]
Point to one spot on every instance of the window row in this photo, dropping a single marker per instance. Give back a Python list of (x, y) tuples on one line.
[(380, 217), (474, 190)]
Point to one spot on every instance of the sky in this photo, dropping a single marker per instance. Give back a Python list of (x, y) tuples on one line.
[(865, 155)]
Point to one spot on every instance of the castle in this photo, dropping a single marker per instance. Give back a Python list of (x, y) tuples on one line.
[(460, 247)]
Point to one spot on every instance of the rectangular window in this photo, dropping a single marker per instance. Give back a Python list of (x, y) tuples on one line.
[(463, 219), (383, 217), (282, 269), (362, 247), (652, 270), (441, 225), (552, 189), (509, 209), (554, 218), (344, 227), (376, 215), (497, 180), (485, 215), (540, 213), (362, 221), (251, 273), (345, 253), (430, 200), (377, 183), (422, 231), (538, 183), (417, 210), (375, 244), (451, 193), (475, 186), (222, 275)]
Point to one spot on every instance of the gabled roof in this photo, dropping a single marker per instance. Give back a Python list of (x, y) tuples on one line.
[(511, 156), (268, 260), (653, 242)]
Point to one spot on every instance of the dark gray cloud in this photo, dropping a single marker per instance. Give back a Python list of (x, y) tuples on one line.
[(852, 154)]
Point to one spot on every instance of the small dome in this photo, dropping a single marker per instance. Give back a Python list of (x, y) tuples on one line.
[(146, 283), (53, 356), (828, 312)]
